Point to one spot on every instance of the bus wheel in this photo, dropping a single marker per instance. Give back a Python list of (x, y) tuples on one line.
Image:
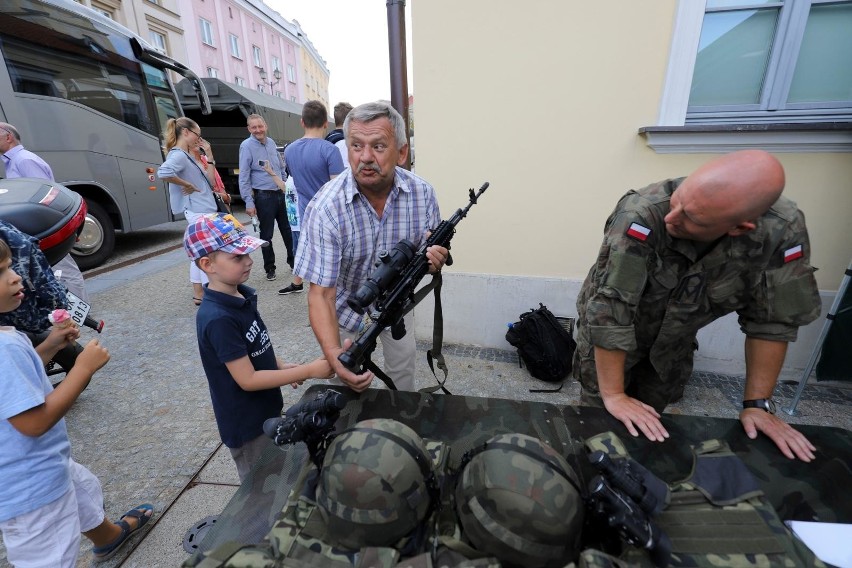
[(97, 239)]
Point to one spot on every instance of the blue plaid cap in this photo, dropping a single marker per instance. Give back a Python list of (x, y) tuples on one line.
[(218, 231)]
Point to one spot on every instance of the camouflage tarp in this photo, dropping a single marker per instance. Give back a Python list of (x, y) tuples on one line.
[(796, 490)]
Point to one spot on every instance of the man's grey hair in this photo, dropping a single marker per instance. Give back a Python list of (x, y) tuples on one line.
[(11, 130), (369, 112)]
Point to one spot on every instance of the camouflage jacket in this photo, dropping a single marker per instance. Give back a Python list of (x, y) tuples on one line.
[(649, 293), (44, 293)]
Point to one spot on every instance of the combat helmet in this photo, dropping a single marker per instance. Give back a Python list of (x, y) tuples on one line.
[(518, 500), (376, 485)]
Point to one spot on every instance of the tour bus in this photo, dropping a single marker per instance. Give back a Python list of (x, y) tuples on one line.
[(92, 99)]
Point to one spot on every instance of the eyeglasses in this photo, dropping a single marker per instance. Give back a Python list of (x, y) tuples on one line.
[(194, 132)]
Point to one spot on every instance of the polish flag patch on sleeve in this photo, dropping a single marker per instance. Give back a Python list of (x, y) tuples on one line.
[(793, 253), (638, 232)]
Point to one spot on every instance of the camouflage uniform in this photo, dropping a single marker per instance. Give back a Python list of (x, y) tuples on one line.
[(649, 294)]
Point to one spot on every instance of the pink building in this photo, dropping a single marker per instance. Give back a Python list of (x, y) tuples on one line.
[(247, 43)]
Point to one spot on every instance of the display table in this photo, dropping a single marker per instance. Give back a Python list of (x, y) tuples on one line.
[(816, 491)]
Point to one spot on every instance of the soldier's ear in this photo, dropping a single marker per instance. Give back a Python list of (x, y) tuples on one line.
[(742, 228)]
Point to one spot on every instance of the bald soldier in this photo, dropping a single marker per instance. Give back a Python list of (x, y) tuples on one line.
[(677, 255)]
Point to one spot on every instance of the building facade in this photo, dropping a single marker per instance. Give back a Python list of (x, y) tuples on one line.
[(244, 42), (614, 96)]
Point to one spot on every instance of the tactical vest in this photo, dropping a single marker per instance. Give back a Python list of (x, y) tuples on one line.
[(716, 517)]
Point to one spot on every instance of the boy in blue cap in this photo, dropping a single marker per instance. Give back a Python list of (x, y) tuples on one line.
[(236, 351)]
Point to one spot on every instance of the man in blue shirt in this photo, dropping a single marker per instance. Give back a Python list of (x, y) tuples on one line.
[(261, 191), (312, 162)]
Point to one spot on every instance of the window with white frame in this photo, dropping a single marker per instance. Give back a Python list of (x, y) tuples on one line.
[(260, 87), (239, 81), (276, 63), (212, 72), (772, 74), (235, 45), (789, 57), (760, 62), (104, 11), (206, 31), (291, 73), (158, 40), (255, 52)]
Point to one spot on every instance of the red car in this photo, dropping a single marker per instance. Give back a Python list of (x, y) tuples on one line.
[(46, 210)]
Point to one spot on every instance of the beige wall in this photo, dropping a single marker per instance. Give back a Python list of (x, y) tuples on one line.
[(544, 99)]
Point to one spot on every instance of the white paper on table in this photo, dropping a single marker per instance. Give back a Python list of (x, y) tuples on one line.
[(829, 541)]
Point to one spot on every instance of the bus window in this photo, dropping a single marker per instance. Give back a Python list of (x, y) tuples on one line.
[(166, 108), (103, 81)]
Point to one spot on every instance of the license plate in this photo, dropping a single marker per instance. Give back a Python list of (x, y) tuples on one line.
[(78, 309)]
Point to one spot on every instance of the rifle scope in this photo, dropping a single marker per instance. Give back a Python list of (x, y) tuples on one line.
[(390, 264)]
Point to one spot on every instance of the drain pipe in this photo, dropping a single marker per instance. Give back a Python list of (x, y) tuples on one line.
[(398, 64)]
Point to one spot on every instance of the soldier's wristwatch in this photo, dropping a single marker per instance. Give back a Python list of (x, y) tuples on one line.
[(766, 404)]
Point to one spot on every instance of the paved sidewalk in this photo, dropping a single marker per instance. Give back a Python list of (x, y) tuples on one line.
[(145, 426)]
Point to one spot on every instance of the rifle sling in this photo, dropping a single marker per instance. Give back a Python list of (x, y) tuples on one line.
[(433, 354)]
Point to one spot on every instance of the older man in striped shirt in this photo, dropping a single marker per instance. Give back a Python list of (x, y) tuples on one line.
[(370, 207)]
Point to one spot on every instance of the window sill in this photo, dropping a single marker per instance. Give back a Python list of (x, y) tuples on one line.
[(722, 138)]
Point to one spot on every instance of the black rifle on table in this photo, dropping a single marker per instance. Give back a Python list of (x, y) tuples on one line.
[(308, 421), (628, 495), (390, 290)]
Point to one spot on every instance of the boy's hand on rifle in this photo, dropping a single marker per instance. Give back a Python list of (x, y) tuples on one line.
[(355, 382), (93, 357), (437, 257)]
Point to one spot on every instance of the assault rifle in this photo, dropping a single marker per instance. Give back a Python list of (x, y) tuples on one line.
[(390, 290), (643, 487), (628, 495), (308, 421), (633, 525)]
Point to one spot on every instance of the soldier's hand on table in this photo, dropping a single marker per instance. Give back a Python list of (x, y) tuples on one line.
[(634, 413), (790, 441), (358, 383)]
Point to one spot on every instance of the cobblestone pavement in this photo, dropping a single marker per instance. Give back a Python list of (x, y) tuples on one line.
[(145, 426)]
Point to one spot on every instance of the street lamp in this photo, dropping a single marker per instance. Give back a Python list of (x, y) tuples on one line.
[(276, 74)]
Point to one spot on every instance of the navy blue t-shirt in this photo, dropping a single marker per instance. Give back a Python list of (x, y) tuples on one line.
[(230, 328)]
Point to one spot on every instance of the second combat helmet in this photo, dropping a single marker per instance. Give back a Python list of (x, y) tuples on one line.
[(517, 499)]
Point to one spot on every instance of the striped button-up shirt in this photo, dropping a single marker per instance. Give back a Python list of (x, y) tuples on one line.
[(342, 235)]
